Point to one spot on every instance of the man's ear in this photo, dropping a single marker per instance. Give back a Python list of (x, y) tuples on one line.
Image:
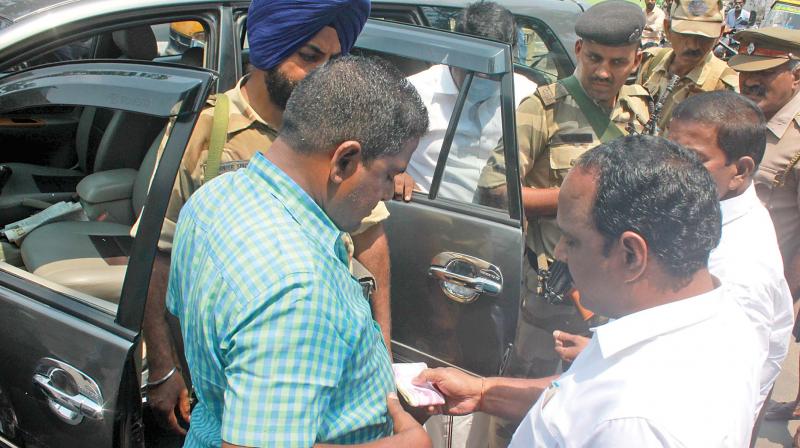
[(796, 76), (634, 253), (745, 168), (667, 26), (345, 159)]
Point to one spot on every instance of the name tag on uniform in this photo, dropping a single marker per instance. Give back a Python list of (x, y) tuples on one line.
[(576, 138)]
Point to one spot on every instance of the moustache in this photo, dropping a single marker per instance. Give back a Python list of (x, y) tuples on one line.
[(692, 53), (756, 90), (600, 80)]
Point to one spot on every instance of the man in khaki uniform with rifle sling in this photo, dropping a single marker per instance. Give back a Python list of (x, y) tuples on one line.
[(555, 126), (689, 67)]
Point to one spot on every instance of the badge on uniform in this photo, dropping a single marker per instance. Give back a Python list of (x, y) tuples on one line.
[(697, 7)]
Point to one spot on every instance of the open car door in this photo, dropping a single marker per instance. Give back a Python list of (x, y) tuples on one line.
[(69, 375), (456, 259)]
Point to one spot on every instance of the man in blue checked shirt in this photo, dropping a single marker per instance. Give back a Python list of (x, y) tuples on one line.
[(281, 345)]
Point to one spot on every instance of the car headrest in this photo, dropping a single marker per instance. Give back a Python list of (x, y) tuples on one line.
[(136, 43), (193, 57)]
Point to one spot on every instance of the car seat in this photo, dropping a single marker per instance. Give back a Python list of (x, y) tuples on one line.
[(105, 139), (89, 256)]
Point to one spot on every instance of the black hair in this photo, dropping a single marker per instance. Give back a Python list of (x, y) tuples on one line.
[(364, 99), (661, 191), (740, 123), (488, 20)]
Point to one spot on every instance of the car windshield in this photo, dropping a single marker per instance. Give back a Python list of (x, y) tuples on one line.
[(783, 15)]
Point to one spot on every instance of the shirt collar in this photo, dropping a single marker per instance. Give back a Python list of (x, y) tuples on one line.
[(781, 120), (299, 205), (738, 206), (642, 326), (244, 115)]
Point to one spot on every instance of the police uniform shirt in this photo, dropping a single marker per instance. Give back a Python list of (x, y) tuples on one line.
[(710, 75), (683, 374), (247, 134), (552, 132), (782, 201)]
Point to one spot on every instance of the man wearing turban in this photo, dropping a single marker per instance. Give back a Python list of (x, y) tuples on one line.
[(287, 40)]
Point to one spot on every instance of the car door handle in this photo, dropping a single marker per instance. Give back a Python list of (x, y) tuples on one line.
[(464, 278), (479, 284), (66, 394)]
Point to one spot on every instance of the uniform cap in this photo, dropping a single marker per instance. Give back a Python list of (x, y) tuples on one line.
[(612, 22), (765, 48), (698, 17)]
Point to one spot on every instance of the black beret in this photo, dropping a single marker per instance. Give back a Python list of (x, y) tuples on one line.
[(612, 22)]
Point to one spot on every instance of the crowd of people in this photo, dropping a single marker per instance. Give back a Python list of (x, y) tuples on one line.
[(674, 201)]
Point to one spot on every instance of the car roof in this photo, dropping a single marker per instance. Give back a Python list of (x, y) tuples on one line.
[(17, 10)]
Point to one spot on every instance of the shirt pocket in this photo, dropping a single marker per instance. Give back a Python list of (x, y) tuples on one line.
[(562, 158)]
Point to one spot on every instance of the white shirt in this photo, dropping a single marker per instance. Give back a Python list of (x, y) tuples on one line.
[(684, 374), (654, 20), (748, 257), (479, 130)]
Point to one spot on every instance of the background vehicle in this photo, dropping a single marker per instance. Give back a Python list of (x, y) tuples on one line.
[(783, 13), (71, 301)]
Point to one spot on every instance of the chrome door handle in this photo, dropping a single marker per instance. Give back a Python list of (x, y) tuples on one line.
[(479, 284), (70, 394), (464, 278)]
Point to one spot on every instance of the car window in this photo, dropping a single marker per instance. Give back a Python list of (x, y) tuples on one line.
[(478, 136), (181, 42), (66, 209)]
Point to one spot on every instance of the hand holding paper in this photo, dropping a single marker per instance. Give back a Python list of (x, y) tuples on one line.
[(416, 395)]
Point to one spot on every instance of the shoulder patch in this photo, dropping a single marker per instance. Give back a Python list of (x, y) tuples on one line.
[(550, 94)]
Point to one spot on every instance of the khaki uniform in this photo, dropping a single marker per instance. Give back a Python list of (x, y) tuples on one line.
[(247, 134), (778, 184), (551, 133), (711, 75)]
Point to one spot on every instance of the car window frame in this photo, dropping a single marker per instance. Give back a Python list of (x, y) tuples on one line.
[(130, 310)]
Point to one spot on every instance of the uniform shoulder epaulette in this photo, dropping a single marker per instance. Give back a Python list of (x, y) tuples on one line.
[(731, 78), (633, 90), (551, 93)]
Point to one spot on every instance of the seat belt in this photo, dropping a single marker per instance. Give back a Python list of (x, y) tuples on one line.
[(219, 135), (598, 119)]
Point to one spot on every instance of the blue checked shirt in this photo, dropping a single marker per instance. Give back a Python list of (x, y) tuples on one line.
[(281, 344)]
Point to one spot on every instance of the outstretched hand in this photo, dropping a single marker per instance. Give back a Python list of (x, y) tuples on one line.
[(462, 392)]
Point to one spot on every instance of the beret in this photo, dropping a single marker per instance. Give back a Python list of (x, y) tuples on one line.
[(612, 22)]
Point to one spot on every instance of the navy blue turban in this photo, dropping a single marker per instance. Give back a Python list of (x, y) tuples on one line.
[(278, 28)]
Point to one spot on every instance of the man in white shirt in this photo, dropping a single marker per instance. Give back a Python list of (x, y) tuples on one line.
[(728, 133), (679, 365), (480, 125), (654, 24)]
